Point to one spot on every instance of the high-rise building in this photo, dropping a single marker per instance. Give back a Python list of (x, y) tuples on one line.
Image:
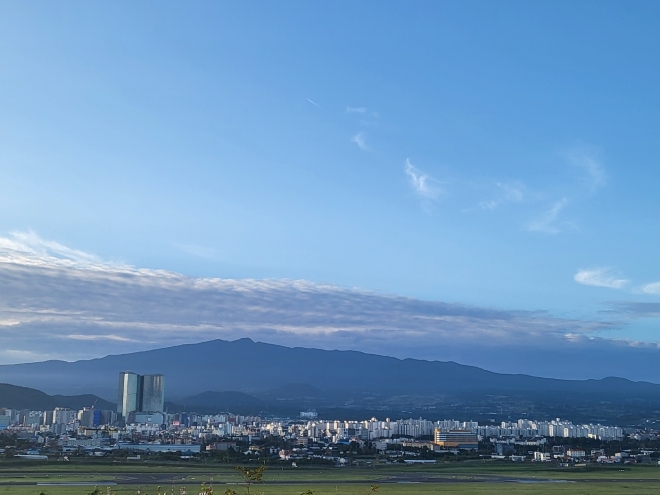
[(140, 393), (153, 393), (64, 415), (130, 393), (86, 417)]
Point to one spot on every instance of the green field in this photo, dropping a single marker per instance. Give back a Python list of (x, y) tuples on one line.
[(451, 478), (640, 488)]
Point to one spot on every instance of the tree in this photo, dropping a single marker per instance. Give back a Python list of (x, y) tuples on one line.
[(251, 476)]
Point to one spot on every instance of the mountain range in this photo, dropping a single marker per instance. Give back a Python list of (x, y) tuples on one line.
[(257, 377)]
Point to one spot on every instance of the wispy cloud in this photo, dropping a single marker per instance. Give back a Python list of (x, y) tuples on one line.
[(116, 338), (548, 222), (359, 139), (98, 308), (599, 277), (653, 288), (637, 309), (30, 243), (587, 160), (508, 192), (356, 110), (196, 250), (423, 184), (312, 102)]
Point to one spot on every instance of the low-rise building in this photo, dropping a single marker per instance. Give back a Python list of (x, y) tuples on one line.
[(459, 439)]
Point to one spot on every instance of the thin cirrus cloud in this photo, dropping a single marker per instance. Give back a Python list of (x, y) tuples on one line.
[(599, 277), (507, 192), (548, 222), (587, 160), (423, 184), (359, 139), (356, 110)]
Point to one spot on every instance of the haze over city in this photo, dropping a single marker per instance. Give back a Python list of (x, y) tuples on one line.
[(467, 181)]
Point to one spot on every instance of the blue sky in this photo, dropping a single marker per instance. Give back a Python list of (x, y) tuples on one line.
[(500, 155)]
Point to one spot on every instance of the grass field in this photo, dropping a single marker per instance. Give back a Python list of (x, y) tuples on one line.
[(640, 488), (451, 478), (478, 469)]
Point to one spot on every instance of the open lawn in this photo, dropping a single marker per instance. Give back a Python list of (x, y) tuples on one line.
[(451, 478), (226, 473), (639, 488)]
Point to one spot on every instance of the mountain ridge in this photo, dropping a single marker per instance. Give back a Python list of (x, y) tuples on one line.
[(17, 397), (252, 367)]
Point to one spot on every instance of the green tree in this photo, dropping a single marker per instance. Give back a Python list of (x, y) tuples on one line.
[(251, 476)]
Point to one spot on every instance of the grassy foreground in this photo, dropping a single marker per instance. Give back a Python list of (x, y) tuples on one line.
[(478, 478), (640, 488), (480, 471)]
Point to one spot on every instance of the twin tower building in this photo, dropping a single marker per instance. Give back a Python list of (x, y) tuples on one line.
[(140, 394)]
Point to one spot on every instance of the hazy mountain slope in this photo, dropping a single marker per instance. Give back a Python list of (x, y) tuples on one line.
[(14, 397), (247, 366)]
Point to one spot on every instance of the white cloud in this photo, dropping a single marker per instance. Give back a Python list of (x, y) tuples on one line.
[(513, 191), (31, 244), (312, 102), (653, 288), (356, 109), (360, 141), (548, 222), (99, 308), (111, 337), (599, 277), (587, 160), (508, 192), (423, 184)]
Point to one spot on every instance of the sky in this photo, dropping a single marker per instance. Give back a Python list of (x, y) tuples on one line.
[(408, 178)]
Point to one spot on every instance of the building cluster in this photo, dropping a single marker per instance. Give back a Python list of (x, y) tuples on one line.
[(525, 428), (577, 455), (58, 421), (193, 433), (140, 424)]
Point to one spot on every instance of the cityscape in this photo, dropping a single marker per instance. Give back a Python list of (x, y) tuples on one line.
[(251, 247), (141, 424)]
